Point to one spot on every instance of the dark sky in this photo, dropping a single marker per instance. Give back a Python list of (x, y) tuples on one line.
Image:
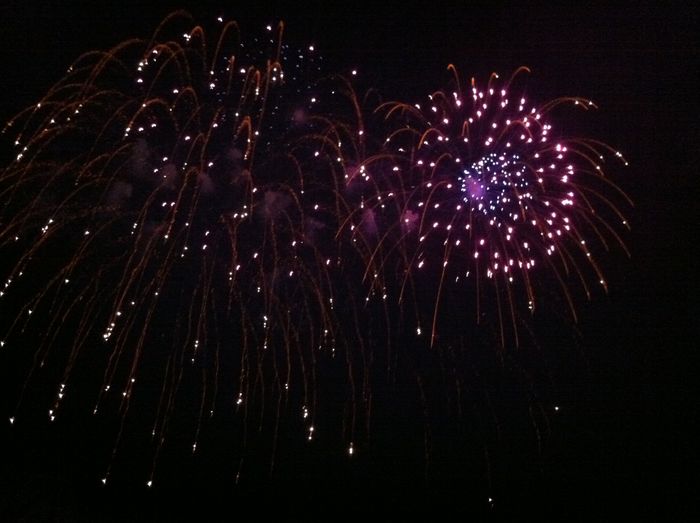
[(638, 62)]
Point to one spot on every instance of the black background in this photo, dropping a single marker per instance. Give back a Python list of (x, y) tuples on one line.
[(625, 439)]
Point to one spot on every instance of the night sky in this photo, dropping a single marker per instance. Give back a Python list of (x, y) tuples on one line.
[(620, 441)]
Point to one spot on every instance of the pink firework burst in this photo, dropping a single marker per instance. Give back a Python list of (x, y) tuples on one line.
[(486, 186)]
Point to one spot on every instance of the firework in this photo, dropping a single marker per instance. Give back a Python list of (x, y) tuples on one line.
[(482, 185), (215, 211), (157, 205)]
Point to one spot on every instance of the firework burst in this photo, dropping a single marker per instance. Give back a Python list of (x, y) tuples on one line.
[(160, 205), (480, 184)]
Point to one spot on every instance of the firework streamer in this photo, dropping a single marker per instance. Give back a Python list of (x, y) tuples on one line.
[(162, 207)]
